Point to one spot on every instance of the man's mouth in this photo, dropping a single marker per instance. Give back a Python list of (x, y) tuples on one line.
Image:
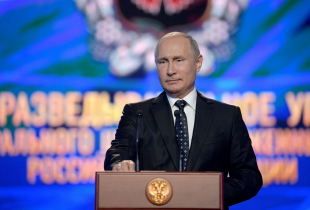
[(172, 80)]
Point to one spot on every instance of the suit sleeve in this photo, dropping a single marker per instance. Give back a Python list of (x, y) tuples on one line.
[(244, 179), (123, 146)]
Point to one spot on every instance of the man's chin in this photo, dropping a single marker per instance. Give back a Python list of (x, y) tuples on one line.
[(173, 93)]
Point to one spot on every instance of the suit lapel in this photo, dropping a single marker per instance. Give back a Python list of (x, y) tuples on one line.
[(203, 120), (162, 114)]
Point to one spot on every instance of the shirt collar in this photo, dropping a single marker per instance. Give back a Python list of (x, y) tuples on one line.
[(190, 99)]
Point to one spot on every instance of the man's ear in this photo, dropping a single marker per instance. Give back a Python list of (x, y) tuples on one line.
[(199, 63)]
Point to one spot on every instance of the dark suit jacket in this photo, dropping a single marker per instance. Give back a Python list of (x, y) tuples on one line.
[(220, 142)]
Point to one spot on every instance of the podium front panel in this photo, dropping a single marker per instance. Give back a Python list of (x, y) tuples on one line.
[(191, 190)]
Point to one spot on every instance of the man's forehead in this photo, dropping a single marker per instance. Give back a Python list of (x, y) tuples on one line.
[(176, 38), (178, 41), (166, 44)]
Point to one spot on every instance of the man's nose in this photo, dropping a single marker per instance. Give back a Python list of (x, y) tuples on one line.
[(171, 69)]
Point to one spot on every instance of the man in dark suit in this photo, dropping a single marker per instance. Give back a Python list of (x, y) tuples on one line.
[(212, 135)]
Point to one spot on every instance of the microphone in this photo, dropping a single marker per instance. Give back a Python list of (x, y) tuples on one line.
[(176, 113), (138, 115), (177, 116)]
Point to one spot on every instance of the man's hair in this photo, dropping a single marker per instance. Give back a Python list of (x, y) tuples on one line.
[(193, 43)]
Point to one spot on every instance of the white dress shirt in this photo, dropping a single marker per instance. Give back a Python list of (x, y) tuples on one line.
[(189, 110)]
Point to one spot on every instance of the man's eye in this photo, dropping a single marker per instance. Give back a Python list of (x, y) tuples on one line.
[(162, 62), (179, 60)]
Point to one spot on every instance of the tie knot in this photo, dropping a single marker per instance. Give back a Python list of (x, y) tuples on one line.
[(180, 104)]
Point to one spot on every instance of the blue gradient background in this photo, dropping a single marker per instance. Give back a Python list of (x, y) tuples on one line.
[(44, 45)]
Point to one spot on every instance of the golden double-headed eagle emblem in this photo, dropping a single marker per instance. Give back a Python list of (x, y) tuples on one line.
[(158, 191)]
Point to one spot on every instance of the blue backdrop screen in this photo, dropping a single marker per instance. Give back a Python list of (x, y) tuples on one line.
[(67, 68)]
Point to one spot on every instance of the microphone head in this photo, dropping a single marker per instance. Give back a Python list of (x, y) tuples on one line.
[(176, 113), (139, 113)]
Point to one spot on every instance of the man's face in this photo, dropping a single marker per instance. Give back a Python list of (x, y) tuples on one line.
[(176, 66)]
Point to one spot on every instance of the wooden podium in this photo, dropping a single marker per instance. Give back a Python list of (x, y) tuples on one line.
[(189, 190)]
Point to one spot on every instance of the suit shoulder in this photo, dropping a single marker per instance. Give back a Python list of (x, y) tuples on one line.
[(142, 103), (218, 103), (148, 102), (223, 105)]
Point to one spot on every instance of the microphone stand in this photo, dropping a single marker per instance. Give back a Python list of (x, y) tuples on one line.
[(139, 114)]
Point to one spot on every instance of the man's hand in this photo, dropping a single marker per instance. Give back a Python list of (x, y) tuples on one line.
[(124, 166)]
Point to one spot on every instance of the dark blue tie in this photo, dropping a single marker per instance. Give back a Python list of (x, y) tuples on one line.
[(182, 132)]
